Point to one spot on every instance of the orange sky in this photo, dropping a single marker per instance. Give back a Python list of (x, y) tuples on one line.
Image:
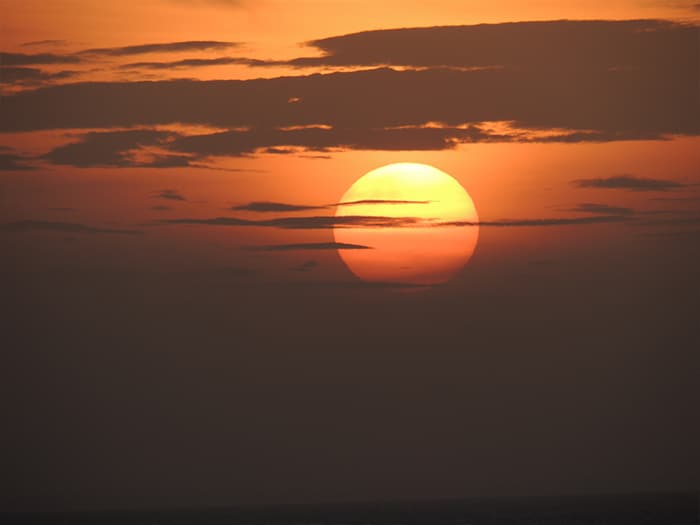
[(180, 329), (506, 180)]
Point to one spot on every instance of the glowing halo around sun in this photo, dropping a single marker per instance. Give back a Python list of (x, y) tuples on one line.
[(431, 246)]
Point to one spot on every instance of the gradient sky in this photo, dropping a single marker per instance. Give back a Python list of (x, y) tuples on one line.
[(170, 344)]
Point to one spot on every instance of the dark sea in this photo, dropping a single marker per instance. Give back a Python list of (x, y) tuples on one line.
[(638, 509)]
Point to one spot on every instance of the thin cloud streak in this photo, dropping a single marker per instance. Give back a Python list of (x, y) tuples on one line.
[(308, 223), (604, 209), (629, 182), (370, 221), (171, 195), (195, 62), (540, 222), (23, 59), (309, 246), (277, 207), (170, 47)]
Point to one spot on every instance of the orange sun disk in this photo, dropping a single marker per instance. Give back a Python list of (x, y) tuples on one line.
[(426, 253)]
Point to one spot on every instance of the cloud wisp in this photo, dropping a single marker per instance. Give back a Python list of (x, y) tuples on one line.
[(169, 47), (275, 207), (309, 246), (602, 209), (371, 221), (318, 222), (171, 195), (282, 207), (11, 162), (629, 182)]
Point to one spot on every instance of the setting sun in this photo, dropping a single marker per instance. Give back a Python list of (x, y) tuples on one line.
[(419, 249)]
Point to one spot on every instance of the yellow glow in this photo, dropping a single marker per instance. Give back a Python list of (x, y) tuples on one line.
[(417, 255)]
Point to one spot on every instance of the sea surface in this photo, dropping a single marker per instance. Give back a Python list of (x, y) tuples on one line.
[(638, 509)]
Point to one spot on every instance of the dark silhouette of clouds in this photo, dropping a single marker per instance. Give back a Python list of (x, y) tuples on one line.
[(23, 59), (38, 43), (596, 81), (114, 148), (161, 208), (310, 246), (378, 201), (64, 227), (604, 209), (629, 182), (611, 105), (676, 199), (171, 195), (274, 207), (307, 223), (359, 107), (170, 47), (10, 162), (370, 221), (195, 62), (583, 45), (564, 221), (31, 76)]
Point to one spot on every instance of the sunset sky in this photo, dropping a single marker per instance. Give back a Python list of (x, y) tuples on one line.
[(183, 328)]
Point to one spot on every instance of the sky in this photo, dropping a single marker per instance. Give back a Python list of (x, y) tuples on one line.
[(183, 327)]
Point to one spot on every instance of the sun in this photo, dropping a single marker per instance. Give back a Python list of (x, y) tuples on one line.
[(431, 246)]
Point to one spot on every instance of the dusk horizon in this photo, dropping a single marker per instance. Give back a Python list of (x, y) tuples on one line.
[(263, 253)]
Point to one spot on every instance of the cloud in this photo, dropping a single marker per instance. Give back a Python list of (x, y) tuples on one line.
[(308, 223), (265, 206), (62, 209), (64, 227), (275, 207), (22, 59), (629, 182), (161, 208), (589, 81), (195, 62), (604, 209), (39, 43), (310, 246), (562, 44), (379, 201), (172, 195), (118, 149), (30, 76), (380, 109), (11, 162), (170, 47), (565, 221), (371, 221), (676, 199)]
